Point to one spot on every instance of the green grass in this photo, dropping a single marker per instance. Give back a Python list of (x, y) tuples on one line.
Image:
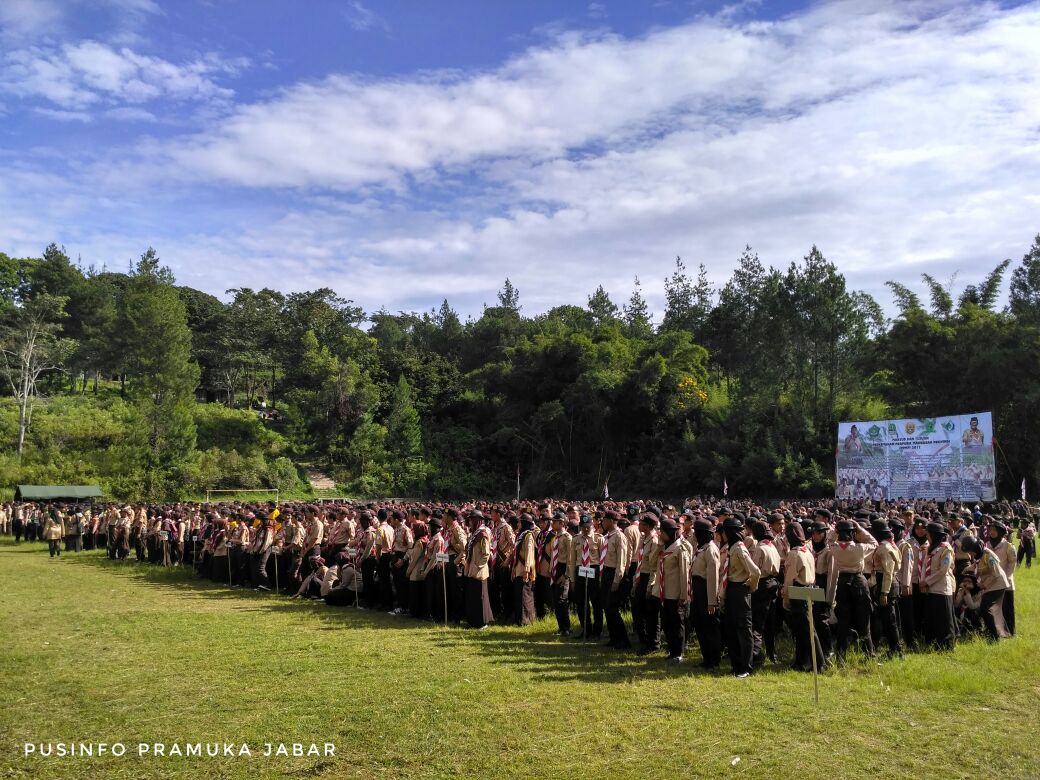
[(97, 651)]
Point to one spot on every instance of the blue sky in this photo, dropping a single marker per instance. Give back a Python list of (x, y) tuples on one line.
[(404, 152)]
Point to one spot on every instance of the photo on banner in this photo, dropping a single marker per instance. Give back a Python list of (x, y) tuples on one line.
[(932, 458)]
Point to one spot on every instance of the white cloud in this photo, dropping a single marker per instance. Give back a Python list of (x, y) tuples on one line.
[(20, 19), (61, 115), (362, 18), (898, 136), (80, 74), (129, 114)]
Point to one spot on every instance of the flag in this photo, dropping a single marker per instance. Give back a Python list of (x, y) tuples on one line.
[(725, 488), (1023, 488), (606, 491)]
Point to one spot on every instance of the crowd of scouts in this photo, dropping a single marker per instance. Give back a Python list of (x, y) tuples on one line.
[(892, 577)]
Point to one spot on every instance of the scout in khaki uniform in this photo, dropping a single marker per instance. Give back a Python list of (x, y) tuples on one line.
[(999, 543), (646, 610), (704, 579), (477, 572), (523, 572), (432, 574), (938, 586), (504, 544), (457, 538), (766, 555), (402, 543), (415, 570), (800, 571), (672, 587), (615, 565), (585, 550), (847, 590), (885, 591), (993, 584), (54, 532), (739, 579), (630, 528), (559, 556), (369, 559)]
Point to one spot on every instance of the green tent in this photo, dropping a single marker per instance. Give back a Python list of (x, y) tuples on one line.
[(56, 492)]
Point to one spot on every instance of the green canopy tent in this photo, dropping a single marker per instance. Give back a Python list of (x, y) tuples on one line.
[(56, 492)]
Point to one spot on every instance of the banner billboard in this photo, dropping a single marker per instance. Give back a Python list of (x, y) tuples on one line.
[(939, 458)]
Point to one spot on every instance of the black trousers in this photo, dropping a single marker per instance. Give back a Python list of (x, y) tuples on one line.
[(638, 602), (992, 610), (709, 634), (542, 595), (54, 546), (258, 569), (561, 606), (502, 594), (590, 609), (907, 621), (523, 601), (218, 569), (478, 604), (435, 594), (739, 633), (887, 618), (1009, 611), (400, 574), (852, 608), (764, 631), (615, 625), (368, 579), (939, 622), (674, 625), (417, 599), (798, 622), (386, 583), (455, 596)]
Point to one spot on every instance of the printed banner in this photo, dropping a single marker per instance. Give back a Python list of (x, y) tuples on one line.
[(937, 458)]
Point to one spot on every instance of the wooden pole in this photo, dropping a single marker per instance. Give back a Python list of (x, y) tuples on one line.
[(812, 651)]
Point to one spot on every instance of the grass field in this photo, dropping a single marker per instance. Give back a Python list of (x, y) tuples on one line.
[(97, 651)]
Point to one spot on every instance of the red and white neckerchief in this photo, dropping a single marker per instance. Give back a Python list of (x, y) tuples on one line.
[(652, 539), (434, 545), (493, 554), (928, 567), (554, 555), (603, 545), (922, 559), (539, 544), (586, 552)]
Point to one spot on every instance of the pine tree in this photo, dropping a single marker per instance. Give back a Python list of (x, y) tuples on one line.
[(602, 308), (637, 315), (404, 440), (1024, 298), (163, 377), (509, 296)]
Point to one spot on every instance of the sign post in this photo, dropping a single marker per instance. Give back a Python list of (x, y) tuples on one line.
[(810, 595), (442, 558)]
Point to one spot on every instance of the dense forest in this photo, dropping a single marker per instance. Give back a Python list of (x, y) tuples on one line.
[(157, 390)]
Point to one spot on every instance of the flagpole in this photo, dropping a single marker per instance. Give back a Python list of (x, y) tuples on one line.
[(518, 482)]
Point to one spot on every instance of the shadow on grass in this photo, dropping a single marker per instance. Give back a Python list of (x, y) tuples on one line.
[(535, 649)]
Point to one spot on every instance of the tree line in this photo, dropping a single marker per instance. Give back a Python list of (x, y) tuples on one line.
[(742, 384)]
